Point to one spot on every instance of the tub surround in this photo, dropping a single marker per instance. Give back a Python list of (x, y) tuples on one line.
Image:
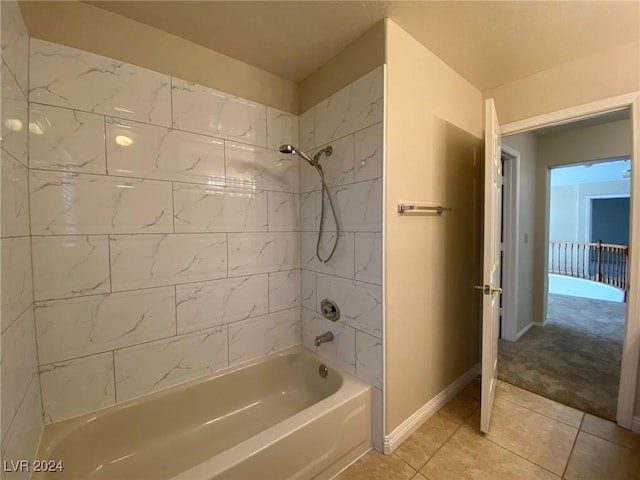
[(21, 413), (165, 232), (169, 232), (351, 122), (171, 240)]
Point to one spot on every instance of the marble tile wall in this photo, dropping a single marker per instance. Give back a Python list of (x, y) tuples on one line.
[(21, 413), (166, 232), (351, 122)]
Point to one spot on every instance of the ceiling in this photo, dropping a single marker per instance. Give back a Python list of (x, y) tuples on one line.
[(590, 121), (489, 43)]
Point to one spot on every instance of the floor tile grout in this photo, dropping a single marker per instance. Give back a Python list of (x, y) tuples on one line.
[(575, 440), (540, 413), (441, 447), (515, 453), (608, 440)]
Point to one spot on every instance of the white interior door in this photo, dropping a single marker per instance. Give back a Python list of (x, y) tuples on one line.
[(491, 265)]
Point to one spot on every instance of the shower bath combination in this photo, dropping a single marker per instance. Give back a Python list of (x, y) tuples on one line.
[(315, 163)]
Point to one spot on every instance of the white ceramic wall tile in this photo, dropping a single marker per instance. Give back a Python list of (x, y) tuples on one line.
[(368, 248), (308, 289), (17, 286), (19, 365), (342, 263), (210, 112), (203, 208), (251, 253), (260, 336), (254, 167), (15, 42), (368, 153), (23, 436), (15, 197), (146, 151), (369, 358), (14, 114), (70, 266), (77, 386), (139, 261), (68, 140), (360, 303), (67, 77), (282, 128), (358, 207), (342, 350), (353, 108), (284, 290), (71, 203), (153, 366), (309, 218), (337, 168), (97, 323), (283, 212), (307, 129), (209, 304)]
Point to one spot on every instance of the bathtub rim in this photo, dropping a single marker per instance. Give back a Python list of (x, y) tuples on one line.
[(350, 386)]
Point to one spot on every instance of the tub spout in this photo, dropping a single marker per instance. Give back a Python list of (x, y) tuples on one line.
[(324, 338)]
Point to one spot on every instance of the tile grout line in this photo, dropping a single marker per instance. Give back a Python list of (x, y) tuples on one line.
[(513, 402), (575, 441), (443, 443), (156, 287), (3, 148), (632, 449), (170, 126), (22, 312), (512, 452), (33, 276), (257, 318), (150, 179)]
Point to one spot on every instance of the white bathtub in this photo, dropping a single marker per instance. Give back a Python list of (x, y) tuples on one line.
[(274, 418)]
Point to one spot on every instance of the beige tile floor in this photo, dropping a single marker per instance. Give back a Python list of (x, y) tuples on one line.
[(531, 437)]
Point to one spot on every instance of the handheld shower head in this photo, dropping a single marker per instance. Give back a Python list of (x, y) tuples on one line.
[(287, 149), (315, 162), (290, 149)]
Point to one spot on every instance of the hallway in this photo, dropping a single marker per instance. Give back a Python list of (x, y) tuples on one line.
[(574, 359)]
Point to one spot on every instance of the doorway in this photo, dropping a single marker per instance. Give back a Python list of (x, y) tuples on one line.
[(566, 346)]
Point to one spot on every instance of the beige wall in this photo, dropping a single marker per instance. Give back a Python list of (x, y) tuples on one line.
[(431, 262), (603, 75), (607, 140), (78, 25), (525, 144), (360, 57)]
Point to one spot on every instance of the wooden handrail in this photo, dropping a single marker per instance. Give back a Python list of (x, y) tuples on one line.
[(601, 262)]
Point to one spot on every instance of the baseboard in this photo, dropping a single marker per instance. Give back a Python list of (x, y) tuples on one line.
[(523, 331), (411, 424), (538, 324), (635, 424)]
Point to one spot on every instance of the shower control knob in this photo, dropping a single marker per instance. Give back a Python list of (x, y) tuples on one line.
[(330, 310)]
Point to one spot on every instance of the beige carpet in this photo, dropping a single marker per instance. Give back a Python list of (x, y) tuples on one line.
[(574, 359)]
